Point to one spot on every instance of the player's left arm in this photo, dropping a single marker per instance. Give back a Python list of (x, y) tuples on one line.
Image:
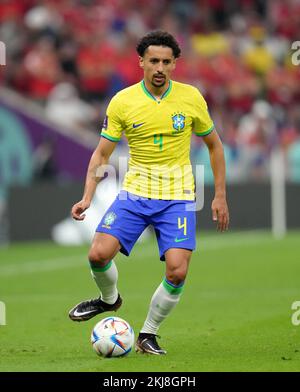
[(219, 206)]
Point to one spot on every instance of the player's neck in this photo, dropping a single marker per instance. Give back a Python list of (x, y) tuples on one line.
[(157, 92)]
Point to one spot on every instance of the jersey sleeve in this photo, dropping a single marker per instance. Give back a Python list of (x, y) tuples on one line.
[(113, 124), (202, 122)]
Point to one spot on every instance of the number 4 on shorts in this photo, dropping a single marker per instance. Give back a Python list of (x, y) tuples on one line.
[(182, 225)]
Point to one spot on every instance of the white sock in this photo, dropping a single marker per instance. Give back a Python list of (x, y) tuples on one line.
[(106, 279), (163, 301)]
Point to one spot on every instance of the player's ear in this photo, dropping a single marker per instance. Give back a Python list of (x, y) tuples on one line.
[(174, 64), (141, 62)]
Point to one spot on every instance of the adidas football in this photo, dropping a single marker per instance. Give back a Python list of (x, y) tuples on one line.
[(112, 337)]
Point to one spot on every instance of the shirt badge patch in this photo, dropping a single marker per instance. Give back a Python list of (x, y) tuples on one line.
[(105, 122), (178, 122)]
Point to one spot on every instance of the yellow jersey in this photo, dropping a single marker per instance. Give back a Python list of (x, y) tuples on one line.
[(159, 136)]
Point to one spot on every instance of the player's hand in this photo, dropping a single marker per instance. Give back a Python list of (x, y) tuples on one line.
[(78, 210), (220, 213)]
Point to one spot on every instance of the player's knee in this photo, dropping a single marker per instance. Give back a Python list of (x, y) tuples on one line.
[(176, 275), (99, 257)]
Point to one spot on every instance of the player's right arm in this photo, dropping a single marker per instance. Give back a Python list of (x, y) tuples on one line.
[(111, 133), (99, 158)]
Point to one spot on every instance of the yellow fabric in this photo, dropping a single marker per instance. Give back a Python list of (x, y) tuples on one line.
[(210, 44), (259, 59), (159, 136)]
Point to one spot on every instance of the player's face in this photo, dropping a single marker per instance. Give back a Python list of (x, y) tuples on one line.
[(158, 63)]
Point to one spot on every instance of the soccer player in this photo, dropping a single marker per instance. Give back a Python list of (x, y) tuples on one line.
[(158, 116)]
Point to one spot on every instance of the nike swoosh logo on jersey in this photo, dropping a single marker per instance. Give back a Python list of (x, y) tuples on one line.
[(181, 239), (78, 314), (137, 125)]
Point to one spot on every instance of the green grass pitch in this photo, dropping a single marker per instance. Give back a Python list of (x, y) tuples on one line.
[(234, 314)]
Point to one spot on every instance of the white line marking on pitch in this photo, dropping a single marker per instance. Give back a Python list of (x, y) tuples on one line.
[(47, 265), (251, 238)]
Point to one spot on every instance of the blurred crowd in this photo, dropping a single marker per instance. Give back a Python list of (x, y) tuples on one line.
[(71, 56)]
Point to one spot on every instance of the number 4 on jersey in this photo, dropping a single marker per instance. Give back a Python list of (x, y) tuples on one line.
[(158, 139)]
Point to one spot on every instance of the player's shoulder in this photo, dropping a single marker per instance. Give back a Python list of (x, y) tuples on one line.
[(187, 91), (127, 92), (185, 88)]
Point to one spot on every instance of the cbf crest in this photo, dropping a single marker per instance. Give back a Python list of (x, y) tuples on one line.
[(178, 122), (109, 219)]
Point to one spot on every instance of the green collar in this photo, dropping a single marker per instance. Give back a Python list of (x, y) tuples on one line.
[(147, 92)]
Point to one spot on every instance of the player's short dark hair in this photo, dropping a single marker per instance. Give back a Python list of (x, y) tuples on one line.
[(158, 38)]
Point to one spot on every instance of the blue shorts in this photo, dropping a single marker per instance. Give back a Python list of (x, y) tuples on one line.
[(174, 222)]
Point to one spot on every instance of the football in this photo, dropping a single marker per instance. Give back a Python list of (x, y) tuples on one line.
[(112, 337)]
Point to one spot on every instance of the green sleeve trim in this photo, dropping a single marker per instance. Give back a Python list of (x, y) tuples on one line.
[(206, 132), (111, 138), (102, 269), (172, 289)]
